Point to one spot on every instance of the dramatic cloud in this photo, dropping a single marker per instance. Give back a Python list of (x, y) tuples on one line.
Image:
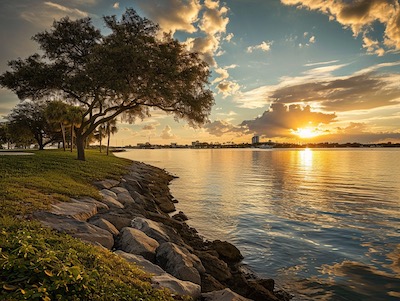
[(264, 46), (223, 73), (360, 16), (281, 120), (228, 88), (172, 15), (167, 133), (222, 127), (366, 89)]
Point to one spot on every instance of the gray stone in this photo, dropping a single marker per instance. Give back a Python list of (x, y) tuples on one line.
[(100, 206), (106, 184), (111, 202), (141, 262), (153, 229), (215, 266), (228, 252), (106, 225), (118, 221), (79, 229), (125, 198), (223, 295), (75, 209), (177, 286), (110, 193), (119, 190), (179, 262), (136, 242)]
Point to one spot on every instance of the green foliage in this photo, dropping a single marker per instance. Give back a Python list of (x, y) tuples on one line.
[(30, 183), (37, 263)]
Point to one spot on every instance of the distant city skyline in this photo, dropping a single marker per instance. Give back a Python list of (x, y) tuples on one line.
[(285, 70)]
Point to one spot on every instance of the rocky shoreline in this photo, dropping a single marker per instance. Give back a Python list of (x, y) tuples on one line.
[(133, 219)]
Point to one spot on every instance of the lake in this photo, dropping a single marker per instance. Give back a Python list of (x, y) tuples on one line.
[(324, 223)]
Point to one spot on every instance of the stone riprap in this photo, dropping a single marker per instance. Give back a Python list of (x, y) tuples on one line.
[(131, 217)]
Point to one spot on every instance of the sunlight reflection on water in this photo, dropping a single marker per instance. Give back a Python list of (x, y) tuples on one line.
[(324, 223)]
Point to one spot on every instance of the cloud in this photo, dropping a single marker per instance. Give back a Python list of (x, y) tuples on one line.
[(223, 73), (229, 37), (221, 128), (172, 15), (281, 120), (116, 5), (312, 40), (45, 13), (227, 88), (365, 89), (167, 133), (361, 16), (150, 126), (264, 46)]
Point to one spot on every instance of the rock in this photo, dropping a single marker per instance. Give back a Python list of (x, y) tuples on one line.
[(75, 209), (152, 229), (223, 295), (106, 184), (111, 202), (119, 190), (180, 216), (110, 193), (117, 220), (258, 292), (101, 207), (136, 242), (179, 262), (79, 229), (209, 284), (125, 198), (228, 252), (177, 286), (165, 204), (268, 284), (215, 266), (142, 263), (106, 225)]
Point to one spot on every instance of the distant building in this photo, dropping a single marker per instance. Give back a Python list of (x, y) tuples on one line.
[(255, 140)]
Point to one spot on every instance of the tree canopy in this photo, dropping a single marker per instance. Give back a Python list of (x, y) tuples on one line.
[(125, 73)]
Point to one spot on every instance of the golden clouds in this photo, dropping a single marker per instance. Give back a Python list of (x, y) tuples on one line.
[(360, 16)]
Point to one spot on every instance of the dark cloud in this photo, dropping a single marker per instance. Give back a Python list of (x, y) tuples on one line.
[(150, 127), (281, 120), (221, 127)]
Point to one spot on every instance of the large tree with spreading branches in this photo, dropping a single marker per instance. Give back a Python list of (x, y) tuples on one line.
[(125, 73)]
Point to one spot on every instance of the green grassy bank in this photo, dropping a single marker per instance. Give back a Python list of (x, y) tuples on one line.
[(37, 263)]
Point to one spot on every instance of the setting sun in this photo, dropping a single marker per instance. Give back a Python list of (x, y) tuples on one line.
[(306, 132)]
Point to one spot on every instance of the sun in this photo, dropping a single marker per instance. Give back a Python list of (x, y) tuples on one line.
[(307, 132)]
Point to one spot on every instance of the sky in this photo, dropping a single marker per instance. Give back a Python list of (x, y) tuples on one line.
[(287, 70)]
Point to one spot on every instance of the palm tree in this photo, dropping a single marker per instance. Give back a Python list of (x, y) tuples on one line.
[(74, 117), (57, 111), (101, 133), (111, 128)]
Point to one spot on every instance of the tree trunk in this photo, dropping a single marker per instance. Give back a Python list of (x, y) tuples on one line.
[(101, 138), (80, 146), (108, 140), (72, 137), (63, 134)]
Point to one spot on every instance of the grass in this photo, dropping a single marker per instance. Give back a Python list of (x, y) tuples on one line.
[(30, 183), (37, 263)]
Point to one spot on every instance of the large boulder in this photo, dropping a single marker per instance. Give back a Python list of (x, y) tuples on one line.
[(125, 198), (109, 193), (117, 220), (227, 252), (81, 211), (177, 286), (106, 184), (141, 262), (215, 266), (179, 262), (111, 202), (136, 242), (223, 295), (119, 190), (79, 229), (106, 225), (101, 207), (155, 230)]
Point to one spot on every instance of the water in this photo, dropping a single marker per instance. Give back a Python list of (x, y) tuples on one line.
[(324, 223)]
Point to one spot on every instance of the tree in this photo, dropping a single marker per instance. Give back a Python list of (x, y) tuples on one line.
[(31, 116), (125, 73), (111, 128), (56, 111), (74, 117)]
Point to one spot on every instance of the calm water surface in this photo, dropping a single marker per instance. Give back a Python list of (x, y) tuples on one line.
[(324, 223)]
